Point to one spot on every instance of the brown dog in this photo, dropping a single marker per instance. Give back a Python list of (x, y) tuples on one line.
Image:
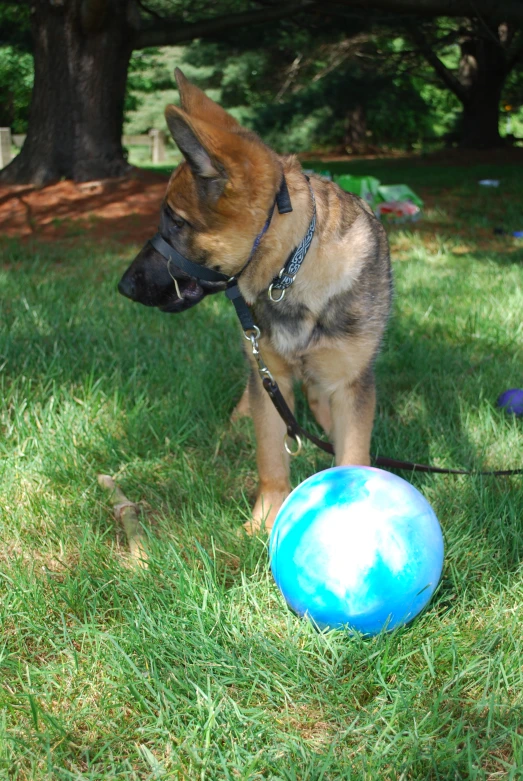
[(326, 329)]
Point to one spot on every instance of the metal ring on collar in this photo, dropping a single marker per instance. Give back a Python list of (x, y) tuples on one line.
[(298, 441), (269, 293)]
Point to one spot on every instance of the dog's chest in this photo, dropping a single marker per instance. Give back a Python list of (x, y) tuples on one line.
[(288, 325)]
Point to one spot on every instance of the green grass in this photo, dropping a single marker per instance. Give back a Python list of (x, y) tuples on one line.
[(141, 156), (195, 669)]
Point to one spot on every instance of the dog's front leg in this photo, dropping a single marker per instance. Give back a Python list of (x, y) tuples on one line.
[(353, 406), (271, 457), (243, 408)]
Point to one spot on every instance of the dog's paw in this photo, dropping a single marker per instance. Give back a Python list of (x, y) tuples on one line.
[(265, 511), (254, 528)]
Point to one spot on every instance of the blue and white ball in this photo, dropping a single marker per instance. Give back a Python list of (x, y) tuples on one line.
[(356, 547)]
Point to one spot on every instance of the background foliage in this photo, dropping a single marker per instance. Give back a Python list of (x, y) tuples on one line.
[(16, 68), (297, 86), (303, 110), (16, 83)]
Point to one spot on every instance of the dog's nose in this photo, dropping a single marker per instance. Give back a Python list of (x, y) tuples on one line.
[(127, 287)]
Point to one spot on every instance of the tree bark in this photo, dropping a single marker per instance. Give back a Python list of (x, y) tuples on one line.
[(480, 122), (355, 140), (482, 71), (478, 83), (81, 51)]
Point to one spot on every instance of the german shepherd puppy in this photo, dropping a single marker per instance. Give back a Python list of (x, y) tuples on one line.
[(327, 329)]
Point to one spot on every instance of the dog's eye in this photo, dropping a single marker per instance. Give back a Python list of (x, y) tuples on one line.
[(176, 222)]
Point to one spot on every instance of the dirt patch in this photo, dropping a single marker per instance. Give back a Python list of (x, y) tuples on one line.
[(125, 210)]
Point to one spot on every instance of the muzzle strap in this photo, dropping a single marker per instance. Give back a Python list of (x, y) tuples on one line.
[(242, 308), (194, 270)]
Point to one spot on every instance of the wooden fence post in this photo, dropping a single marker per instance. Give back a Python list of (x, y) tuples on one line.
[(158, 145), (5, 146), (155, 140)]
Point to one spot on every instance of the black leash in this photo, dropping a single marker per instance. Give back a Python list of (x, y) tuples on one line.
[(251, 332), (297, 432)]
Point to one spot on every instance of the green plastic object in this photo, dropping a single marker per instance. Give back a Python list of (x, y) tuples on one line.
[(367, 187), (371, 190), (399, 192)]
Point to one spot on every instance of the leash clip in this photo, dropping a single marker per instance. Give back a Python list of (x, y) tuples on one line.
[(252, 335)]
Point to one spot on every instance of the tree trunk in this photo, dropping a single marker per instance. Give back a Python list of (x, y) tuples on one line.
[(480, 122), (482, 71), (81, 51), (355, 140), (484, 65)]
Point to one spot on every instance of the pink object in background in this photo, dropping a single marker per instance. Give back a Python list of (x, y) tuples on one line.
[(397, 211)]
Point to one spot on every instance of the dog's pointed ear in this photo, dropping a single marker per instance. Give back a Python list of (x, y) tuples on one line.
[(192, 147), (196, 103)]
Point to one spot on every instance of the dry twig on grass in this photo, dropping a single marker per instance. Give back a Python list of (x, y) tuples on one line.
[(126, 513)]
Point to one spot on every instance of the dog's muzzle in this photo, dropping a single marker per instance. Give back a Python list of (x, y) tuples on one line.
[(161, 276), (153, 280)]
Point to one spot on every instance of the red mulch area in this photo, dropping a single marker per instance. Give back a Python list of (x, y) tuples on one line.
[(126, 210)]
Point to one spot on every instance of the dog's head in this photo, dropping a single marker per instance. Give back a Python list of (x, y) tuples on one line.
[(216, 203)]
